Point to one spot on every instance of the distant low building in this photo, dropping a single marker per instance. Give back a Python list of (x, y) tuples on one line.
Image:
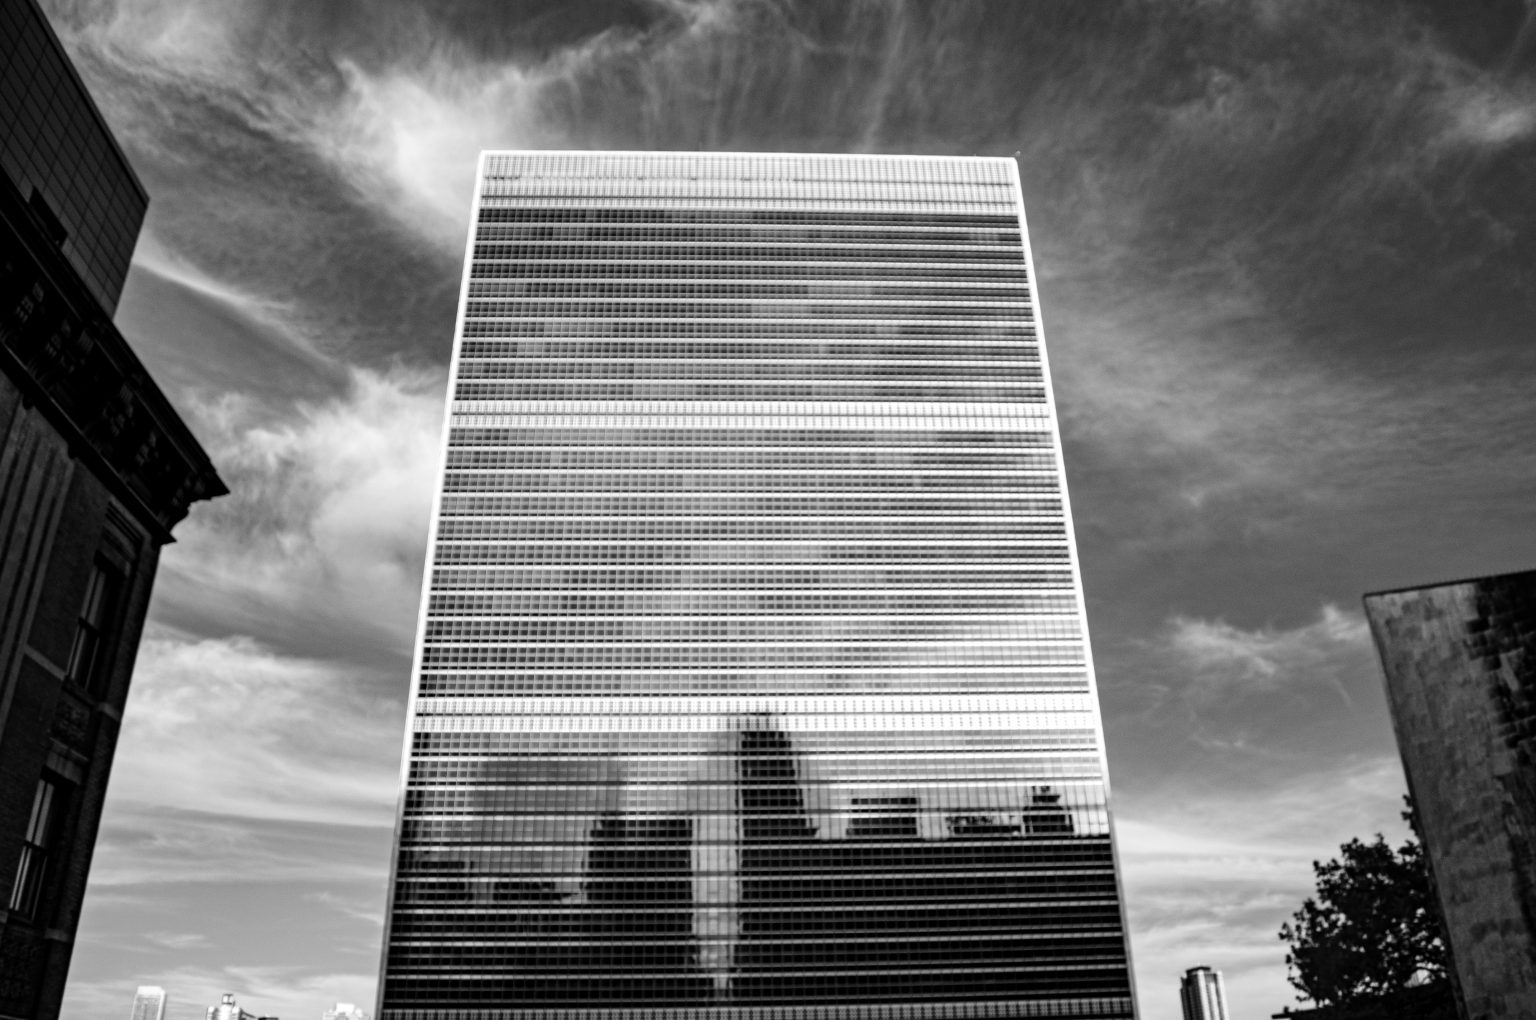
[(149, 1003), (1460, 663), (1202, 994), (346, 1011), (228, 1009)]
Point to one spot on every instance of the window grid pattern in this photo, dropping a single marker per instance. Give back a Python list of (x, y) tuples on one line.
[(57, 146), (753, 675)]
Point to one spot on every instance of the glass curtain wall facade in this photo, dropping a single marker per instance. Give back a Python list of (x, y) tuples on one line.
[(753, 675)]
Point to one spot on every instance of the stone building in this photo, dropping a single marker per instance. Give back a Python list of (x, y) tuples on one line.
[(96, 468), (1460, 662)]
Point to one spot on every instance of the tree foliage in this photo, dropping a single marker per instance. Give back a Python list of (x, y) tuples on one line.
[(1372, 929)]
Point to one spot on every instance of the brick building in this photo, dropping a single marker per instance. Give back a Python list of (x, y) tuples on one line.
[(96, 468)]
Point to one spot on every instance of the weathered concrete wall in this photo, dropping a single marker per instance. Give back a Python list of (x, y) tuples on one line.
[(1460, 662)]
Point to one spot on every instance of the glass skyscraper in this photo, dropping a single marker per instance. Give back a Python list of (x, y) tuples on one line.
[(753, 676)]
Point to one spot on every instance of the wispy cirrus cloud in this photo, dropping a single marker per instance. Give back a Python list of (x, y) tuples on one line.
[(155, 854), (321, 543), (1221, 658), (1244, 703), (204, 712)]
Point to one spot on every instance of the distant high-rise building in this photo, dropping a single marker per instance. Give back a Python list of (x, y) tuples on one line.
[(149, 1003), (1203, 995), (1460, 664), (95, 469), (345, 1011), (753, 676)]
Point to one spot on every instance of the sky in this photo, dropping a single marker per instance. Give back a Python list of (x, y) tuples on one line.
[(1285, 256)]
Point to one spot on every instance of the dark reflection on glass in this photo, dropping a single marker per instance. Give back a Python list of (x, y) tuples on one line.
[(885, 915), (993, 904), (640, 933)]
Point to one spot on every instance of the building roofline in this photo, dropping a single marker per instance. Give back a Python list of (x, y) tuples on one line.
[(727, 153), (1447, 584), (201, 481)]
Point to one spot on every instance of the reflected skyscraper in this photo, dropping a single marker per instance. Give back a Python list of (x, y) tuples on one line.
[(753, 675)]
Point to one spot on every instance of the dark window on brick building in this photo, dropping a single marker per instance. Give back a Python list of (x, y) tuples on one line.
[(32, 868), (86, 654)]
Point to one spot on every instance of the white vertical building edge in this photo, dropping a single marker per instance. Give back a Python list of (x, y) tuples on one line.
[(426, 577), (1077, 576)]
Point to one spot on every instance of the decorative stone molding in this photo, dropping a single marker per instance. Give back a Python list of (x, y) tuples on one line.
[(60, 347)]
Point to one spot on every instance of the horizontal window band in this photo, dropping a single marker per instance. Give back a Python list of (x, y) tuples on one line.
[(862, 459), (616, 312), (504, 689), (1000, 1006), (704, 483), (1055, 749), (520, 542), (664, 275), (744, 504), (879, 272), (740, 413), (756, 390), (748, 707), (956, 727), (953, 354), (530, 890), (646, 434), (648, 533), (786, 245), (578, 630), (714, 576), (677, 330), (658, 370), (756, 681), (758, 216), (885, 199), (732, 470), (836, 556), (801, 254), (1011, 288), (1003, 234)]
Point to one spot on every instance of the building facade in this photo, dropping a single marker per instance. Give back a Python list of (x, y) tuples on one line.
[(1460, 665), (753, 676), (95, 470), (1202, 994), (149, 1003)]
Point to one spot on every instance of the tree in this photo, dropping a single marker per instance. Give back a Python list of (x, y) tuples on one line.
[(1372, 930)]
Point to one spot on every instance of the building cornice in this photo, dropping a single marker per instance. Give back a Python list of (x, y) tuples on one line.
[(64, 353)]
